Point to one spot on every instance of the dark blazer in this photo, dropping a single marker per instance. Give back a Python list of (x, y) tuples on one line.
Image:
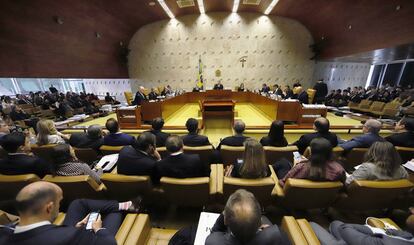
[(268, 236), (321, 90), (304, 140), (303, 97), (118, 139), (218, 86), (264, 89), (82, 140), (134, 162), (289, 94), (194, 139), (278, 92), (17, 116), (139, 98), (152, 96), (160, 137), (362, 141), (182, 166), (23, 164), (267, 141), (234, 140), (56, 235), (405, 139)]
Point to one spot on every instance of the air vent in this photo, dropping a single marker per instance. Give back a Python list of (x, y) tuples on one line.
[(251, 2), (185, 3)]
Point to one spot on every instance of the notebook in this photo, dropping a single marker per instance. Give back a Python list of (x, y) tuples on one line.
[(205, 223)]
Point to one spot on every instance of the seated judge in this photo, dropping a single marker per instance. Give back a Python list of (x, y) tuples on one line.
[(157, 124), (109, 99), (253, 165), (18, 161), (139, 96), (115, 136), (238, 138), (370, 135), (152, 95), (287, 92), (242, 222), (193, 138), (275, 136), (91, 139), (404, 133), (140, 158), (277, 91), (218, 86), (178, 164), (264, 89), (241, 87), (321, 125), (382, 162), (302, 95), (38, 206)]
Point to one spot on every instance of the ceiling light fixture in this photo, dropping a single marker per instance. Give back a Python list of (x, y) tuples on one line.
[(235, 6), (270, 7), (166, 9), (201, 6)]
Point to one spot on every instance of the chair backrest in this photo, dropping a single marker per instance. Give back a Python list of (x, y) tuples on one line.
[(377, 106), (274, 154), (261, 188), (230, 154), (128, 97), (108, 150), (204, 152), (75, 187), (311, 95), (163, 152), (10, 185), (406, 153), (44, 151), (87, 155), (355, 157), (124, 187), (371, 195), (365, 104), (188, 192), (336, 152), (301, 193)]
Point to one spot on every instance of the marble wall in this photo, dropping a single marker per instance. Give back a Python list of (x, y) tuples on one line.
[(342, 75), (245, 47)]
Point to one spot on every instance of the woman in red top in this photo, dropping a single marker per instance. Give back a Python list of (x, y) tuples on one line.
[(319, 167)]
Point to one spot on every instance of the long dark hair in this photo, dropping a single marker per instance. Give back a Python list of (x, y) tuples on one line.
[(321, 154), (276, 132)]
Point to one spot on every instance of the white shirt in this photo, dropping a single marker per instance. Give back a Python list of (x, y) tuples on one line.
[(176, 153), (21, 229)]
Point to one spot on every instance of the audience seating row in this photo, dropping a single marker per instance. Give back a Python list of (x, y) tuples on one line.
[(380, 109), (296, 193)]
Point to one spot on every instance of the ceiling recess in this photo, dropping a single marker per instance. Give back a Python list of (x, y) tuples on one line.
[(251, 2), (185, 3)]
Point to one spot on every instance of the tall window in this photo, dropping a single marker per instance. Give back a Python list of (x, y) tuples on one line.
[(400, 73)]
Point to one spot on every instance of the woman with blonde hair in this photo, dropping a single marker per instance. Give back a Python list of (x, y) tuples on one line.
[(382, 162), (47, 133), (253, 165)]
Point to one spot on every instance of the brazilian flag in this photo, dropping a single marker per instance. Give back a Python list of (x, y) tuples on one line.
[(200, 83)]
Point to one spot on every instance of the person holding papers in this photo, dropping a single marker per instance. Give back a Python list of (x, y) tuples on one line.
[(382, 162)]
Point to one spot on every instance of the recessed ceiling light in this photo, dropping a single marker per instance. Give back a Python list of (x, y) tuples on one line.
[(271, 7), (151, 3), (398, 7), (235, 6), (166, 9), (201, 6)]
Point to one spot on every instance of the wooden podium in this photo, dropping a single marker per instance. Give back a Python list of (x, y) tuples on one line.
[(217, 108), (129, 117)]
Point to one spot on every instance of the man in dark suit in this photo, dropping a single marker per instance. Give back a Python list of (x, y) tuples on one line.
[(277, 91), (4, 130), (53, 89), (321, 91), (193, 138), (371, 130), (91, 139), (115, 137), (157, 124), (17, 161), (139, 96), (287, 93), (38, 206), (139, 159), (178, 164), (303, 96), (218, 86), (242, 223), (265, 88), (321, 125), (237, 139), (404, 135), (152, 95)]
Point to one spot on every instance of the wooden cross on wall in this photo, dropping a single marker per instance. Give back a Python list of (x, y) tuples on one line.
[(243, 60)]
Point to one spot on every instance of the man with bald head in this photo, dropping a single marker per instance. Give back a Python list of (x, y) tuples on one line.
[(321, 125), (370, 135), (238, 138), (242, 223), (38, 206), (139, 96), (93, 138)]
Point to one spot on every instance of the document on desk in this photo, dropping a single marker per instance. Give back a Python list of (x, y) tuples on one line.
[(107, 163), (409, 165), (205, 223)]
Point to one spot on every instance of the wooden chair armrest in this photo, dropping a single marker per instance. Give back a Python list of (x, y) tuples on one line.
[(59, 219), (292, 229), (126, 226), (308, 232), (140, 230), (277, 190), (220, 178), (213, 179)]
